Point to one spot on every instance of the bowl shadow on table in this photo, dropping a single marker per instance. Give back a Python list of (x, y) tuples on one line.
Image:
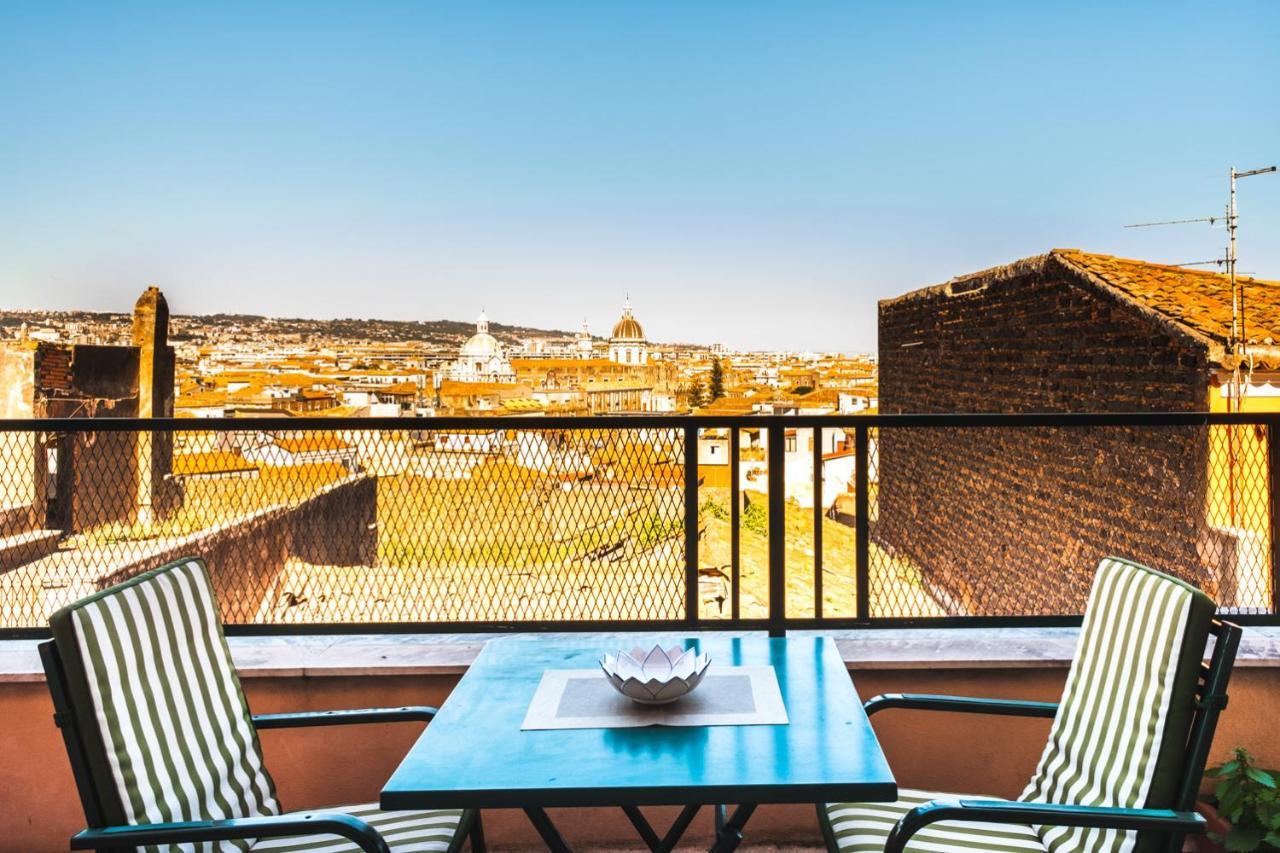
[(690, 741)]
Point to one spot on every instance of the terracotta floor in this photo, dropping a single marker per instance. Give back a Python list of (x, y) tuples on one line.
[(745, 848)]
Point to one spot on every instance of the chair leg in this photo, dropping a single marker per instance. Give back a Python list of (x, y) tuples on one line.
[(729, 832), (476, 836)]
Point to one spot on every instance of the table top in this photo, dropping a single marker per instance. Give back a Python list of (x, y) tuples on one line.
[(474, 754)]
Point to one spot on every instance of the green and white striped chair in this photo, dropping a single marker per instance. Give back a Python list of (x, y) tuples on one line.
[(164, 750), (1126, 749)]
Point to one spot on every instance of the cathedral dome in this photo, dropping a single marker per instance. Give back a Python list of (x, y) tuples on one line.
[(627, 328), (481, 344)]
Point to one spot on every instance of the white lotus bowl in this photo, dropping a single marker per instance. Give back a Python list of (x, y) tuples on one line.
[(657, 676)]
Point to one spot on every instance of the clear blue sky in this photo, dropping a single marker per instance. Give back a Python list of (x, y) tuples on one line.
[(752, 173)]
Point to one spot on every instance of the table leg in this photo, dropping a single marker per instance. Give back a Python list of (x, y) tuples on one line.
[(729, 834), (668, 842), (477, 836), (672, 838), (728, 829), (643, 827), (550, 835)]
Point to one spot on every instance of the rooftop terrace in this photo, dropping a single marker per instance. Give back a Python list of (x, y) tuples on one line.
[(375, 580)]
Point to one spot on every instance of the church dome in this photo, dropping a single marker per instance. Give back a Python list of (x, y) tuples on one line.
[(481, 344), (627, 328)]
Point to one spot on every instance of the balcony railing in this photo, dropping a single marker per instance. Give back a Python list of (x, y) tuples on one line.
[(519, 523)]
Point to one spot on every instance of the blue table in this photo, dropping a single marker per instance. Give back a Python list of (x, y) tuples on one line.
[(474, 755)]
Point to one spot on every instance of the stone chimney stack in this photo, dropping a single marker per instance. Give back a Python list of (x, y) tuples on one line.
[(151, 337), (154, 453)]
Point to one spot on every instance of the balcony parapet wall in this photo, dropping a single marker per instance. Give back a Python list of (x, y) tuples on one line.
[(347, 764)]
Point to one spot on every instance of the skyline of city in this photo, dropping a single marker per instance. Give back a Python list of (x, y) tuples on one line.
[(761, 184), (508, 327)]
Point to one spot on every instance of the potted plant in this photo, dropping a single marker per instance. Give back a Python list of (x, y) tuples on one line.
[(1248, 800)]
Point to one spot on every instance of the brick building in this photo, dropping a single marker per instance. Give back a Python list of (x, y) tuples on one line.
[(53, 484), (1013, 521)]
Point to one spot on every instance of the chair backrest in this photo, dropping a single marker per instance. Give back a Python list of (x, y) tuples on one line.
[(144, 677), (1120, 737)]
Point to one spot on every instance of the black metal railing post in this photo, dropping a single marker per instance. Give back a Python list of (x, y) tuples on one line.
[(691, 524), (862, 526), (777, 530), (1273, 512), (735, 521), (817, 522)]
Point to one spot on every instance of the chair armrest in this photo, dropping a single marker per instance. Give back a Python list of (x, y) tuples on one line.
[(961, 704), (353, 829), (1044, 814), (418, 713)]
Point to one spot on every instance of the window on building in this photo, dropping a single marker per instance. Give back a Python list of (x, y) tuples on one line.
[(791, 444)]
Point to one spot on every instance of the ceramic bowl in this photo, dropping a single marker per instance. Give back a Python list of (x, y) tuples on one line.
[(656, 676)]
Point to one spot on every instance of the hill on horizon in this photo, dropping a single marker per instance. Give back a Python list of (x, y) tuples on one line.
[(349, 328)]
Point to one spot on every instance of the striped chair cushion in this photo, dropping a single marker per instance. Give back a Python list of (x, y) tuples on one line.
[(1120, 731), (159, 703), (1118, 737), (404, 832), (864, 828)]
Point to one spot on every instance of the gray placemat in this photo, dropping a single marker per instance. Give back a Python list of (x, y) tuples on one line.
[(727, 696)]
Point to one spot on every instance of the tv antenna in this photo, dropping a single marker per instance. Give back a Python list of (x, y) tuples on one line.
[(1238, 336)]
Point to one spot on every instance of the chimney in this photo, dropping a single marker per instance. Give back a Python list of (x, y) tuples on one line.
[(151, 337), (154, 451)]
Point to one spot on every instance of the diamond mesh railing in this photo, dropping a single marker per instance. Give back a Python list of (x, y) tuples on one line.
[(311, 524), (1009, 522)]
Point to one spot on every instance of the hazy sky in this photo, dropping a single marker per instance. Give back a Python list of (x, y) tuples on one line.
[(757, 174)]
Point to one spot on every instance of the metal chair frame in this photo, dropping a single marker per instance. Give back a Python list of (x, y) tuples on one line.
[(100, 836), (1175, 823)]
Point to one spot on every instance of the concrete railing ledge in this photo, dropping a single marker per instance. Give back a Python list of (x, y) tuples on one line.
[(320, 655)]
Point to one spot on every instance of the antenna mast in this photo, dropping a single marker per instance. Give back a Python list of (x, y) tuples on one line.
[(1238, 336), (1238, 332)]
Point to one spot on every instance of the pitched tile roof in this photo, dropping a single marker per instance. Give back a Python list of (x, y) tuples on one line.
[(314, 442), (1197, 300), (1190, 302), (213, 462)]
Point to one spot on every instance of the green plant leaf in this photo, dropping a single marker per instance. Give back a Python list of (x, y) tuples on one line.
[(1231, 803), (1262, 777), (1225, 769), (1244, 840)]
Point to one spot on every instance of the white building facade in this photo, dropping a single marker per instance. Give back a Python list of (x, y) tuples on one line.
[(481, 358)]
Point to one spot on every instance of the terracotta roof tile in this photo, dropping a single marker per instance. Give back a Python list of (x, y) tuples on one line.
[(312, 442), (401, 388), (214, 462), (1196, 299)]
